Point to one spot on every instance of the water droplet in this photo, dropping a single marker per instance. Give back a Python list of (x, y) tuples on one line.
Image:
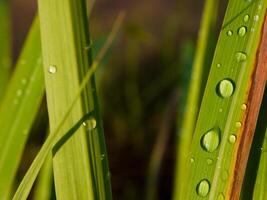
[(240, 56), (244, 107), (246, 18), (238, 124), (242, 31), (209, 161), (256, 18), (229, 33), (219, 65), (52, 69), (102, 156), (220, 197), (203, 188), (224, 175), (220, 110), (259, 7), (90, 123), (252, 30), (225, 88), (192, 160), (232, 139), (211, 140)]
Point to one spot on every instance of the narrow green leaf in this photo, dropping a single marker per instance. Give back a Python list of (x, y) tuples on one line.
[(43, 188), (194, 93), (29, 178), (230, 105), (5, 47), (19, 107)]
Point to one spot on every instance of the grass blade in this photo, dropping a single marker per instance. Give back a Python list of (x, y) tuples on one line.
[(19, 107), (194, 93), (5, 48), (230, 106)]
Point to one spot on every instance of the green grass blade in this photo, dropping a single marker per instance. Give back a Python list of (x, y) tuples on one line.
[(230, 105), (261, 180), (29, 178), (194, 93), (5, 48), (43, 188), (64, 44), (19, 107)]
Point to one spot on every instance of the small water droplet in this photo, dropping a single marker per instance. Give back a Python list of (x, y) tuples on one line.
[(238, 124), (229, 33), (221, 197), (219, 65), (209, 161), (220, 110), (246, 18), (90, 123), (225, 88), (203, 188), (259, 7), (252, 30), (240, 56), (242, 31), (232, 139), (244, 107), (192, 160), (256, 18), (52, 69), (102, 156), (211, 140)]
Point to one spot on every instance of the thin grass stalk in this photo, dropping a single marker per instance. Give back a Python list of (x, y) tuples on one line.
[(19, 108), (5, 48), (230, 105), (191, 107)]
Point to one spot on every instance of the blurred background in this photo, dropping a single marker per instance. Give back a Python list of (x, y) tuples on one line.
[(140, 86)]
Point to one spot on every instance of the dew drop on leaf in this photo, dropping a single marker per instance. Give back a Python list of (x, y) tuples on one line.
[(90, 123), (232, 138), (244, 106), (229, 33), (246, 18), (242, 31), (220, 197), (209, 161), (238, 124), (225, 88), (52, 69), (203, 188), (192, 160), (256, 18), (240, 56), (211, 140)]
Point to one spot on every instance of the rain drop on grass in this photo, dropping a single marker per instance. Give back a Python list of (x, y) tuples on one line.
[(244, 106), (219, 65), (225, 88), (240, 56), (203, 188), (238, 124), (211, 140), (232, 139), (220, 197), (229, 33), (192, 160), (52, 69), (256, 18), (242, 31), (90, 123), (209, 161), (246, 18)]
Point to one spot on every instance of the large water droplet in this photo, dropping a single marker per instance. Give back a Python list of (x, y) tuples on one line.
[(242, 31), (240, 56), (90, 123), (203, 188), (232, 139), (246, 18), (225, 88), (211, 140), (229, 33), (52, 69)]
